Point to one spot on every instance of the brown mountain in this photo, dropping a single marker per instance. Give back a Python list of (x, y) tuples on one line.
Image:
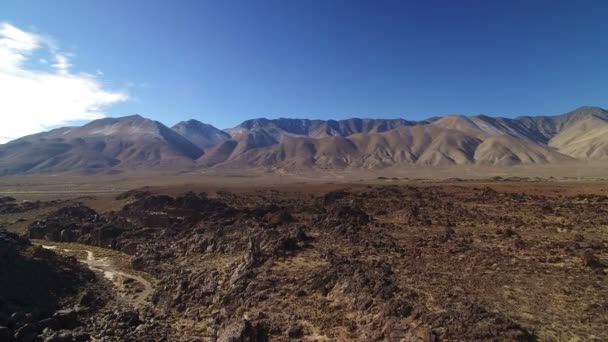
[(428, 145), (580, 134), (135, 143), (259, 133), (550, 126), (584, 139), (453, 139), (101, 145)]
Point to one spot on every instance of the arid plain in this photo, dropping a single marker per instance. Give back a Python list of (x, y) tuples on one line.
[(403, 254)]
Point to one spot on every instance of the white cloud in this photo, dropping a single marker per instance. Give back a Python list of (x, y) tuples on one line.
[(36, 100), (62, 64)]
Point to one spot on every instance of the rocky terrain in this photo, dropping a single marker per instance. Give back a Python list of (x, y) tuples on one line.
[(492, 261), (35, 284), (114, 145), (46, 296)]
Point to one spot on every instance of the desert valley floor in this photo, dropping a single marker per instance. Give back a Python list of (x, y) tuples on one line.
[(368, 258)]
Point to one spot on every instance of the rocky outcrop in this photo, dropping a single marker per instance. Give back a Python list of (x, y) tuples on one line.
[(34, 285), (80, 224)]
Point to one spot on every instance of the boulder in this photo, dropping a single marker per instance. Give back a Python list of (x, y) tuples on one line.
[(295, 331), (51, 323), (242, 331), (27, 333), (67, 319), (60, 336), (16, 320), (81, 337)]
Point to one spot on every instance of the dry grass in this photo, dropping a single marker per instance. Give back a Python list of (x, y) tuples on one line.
[(121, 261)]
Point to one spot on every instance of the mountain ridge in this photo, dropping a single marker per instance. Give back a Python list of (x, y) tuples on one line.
[(135, 142)]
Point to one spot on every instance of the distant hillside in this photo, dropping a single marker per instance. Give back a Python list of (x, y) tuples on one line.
[(113, 143), (134, 142), (414, 145)]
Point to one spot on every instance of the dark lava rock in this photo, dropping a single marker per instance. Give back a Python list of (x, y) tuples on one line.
[(26, 274), (60, 336), (6, 334), (27, 333), (295, 331), (161, 211), (67, 319), (345, 219), (7, 199), (50, 323), (279, 218), (591, 261), (243, 331), (89, 299), (333, 197), (16, 320), (81, 337), (80, 224), (65, 224), (134, 194), (130, 318), (398, 308)]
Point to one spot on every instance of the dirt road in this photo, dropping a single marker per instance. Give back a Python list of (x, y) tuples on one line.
[(119, 278)]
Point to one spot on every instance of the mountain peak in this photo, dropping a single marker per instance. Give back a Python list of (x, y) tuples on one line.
[(589, 108), (132, 116), (132, 124), (193, 123), (127, 118), (200, 134), (586, 111)]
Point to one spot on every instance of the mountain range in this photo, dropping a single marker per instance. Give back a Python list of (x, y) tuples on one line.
[(135, 143)]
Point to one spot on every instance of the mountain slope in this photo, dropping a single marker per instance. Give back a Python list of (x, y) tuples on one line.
[(200, 134), (426, 145), (549, 126), (127, 142), (509, 151), (259, 133), (585, 139), (483, 126)]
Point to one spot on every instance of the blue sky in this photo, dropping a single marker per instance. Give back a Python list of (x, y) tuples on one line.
[(222, 62)]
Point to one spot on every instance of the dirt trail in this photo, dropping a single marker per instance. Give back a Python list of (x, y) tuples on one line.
[(117, 277)]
